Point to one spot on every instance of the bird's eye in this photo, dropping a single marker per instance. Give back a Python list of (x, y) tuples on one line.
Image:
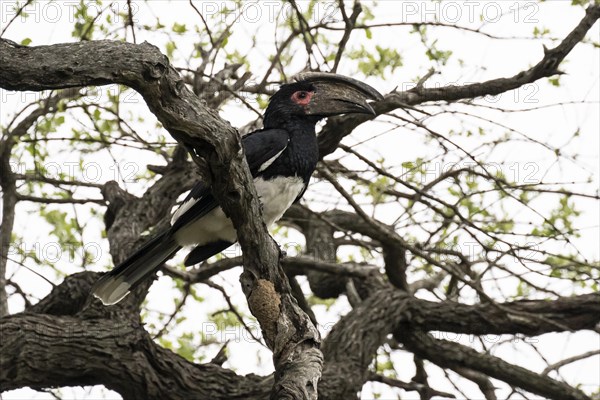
[(302, 97)]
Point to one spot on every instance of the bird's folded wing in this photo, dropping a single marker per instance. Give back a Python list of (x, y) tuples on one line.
[(197, 204), (261, 149)]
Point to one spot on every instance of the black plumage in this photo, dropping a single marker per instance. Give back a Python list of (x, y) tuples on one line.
[(281, 158)]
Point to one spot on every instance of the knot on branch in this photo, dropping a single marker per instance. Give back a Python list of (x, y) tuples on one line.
[(550, 63), (265, 304), (114, 195), (69, 297), (155, 69), (153, 72)]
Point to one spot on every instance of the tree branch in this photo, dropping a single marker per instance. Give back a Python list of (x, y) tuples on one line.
[(570, 360), (448, 354), (117, 354), (349, 348), (337, 128), (354, 340), (423, 390), (216, 147), (8, 180)]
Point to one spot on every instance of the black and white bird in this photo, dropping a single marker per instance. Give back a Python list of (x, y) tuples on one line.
[(282, 157)]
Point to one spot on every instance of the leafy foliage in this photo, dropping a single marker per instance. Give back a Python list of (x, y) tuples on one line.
[(481, 224)]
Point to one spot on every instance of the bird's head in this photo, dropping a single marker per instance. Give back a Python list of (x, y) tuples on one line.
[(316, 95)]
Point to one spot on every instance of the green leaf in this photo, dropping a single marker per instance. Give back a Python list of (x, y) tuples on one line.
[(314, 300), (225, 319), (377, 63), (179, 28), (171, 46)]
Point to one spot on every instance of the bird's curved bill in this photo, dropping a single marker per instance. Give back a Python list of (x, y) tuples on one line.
[(338, 94)]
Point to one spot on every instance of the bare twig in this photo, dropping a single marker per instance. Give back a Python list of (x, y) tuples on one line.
[(569, 360)]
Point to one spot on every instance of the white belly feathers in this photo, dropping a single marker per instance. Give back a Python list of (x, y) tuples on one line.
[(276, 196)]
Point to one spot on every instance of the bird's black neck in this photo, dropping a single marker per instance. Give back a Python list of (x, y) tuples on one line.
[(302, 153)]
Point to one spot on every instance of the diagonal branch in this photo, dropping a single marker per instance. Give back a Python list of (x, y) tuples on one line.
[(107, 348), (569, 360), (451, 355), (350, 23), (353, 342), (337, 128), (216, 147)]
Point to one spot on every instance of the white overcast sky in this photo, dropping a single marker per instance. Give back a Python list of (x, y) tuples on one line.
[(51, 22)]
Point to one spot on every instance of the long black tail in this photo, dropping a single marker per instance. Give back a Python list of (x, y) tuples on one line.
[(116, 284)]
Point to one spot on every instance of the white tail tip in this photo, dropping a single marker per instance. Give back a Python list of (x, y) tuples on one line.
[(111, 292)]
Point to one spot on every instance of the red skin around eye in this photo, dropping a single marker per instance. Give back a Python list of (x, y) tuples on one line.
[(296, 98)]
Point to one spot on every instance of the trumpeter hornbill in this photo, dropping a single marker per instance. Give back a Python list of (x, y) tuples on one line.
[(282, 156)]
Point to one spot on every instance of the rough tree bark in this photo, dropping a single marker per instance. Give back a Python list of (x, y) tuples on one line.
[(216, 147), (109, 345)]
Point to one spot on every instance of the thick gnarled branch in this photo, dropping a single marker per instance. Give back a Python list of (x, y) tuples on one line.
[(388, 310), (170, 102), (117, 354), (453, 355), (216, 146)]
